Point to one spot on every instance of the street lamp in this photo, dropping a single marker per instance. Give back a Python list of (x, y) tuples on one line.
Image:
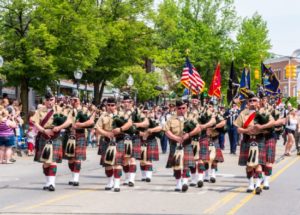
[(78, 75), (130, 81)]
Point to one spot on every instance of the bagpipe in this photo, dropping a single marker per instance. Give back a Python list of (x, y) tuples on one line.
[(204, 117), (188, 126), (60, 114)]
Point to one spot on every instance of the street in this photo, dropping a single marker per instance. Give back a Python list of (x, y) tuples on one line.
[(21, 190)]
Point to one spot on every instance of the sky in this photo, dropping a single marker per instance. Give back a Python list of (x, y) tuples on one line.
[(283, 21), (282, 17)]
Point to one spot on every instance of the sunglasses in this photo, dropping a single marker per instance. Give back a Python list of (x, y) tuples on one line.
[(181, 108), (111, 105), (253, 100)]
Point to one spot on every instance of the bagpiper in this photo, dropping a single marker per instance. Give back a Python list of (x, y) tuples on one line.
[(179, 129), (49, 120), (75, 147), (110, 126), (252, 123)]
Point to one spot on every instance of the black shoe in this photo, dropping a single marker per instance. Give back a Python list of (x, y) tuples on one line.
[(192, 185), (45, 188), (266, 187), (200, 184), (75, 184), (108, 188), (51, 188), (249, 191), (185, 187), (258, 190), (125, 183), (130, 184), (206, 180), (117, 190), (71, 182), (177, 190), (148, 180), (212, 180), (143, 179)]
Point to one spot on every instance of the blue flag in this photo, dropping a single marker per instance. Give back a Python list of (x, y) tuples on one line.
[(244, 86), (269, 80)]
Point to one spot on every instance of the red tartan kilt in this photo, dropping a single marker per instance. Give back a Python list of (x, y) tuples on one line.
[(188, 156), (136, 147), (57, 149), (219, 154), (119, 155), (270, 150), (80, 149), (244, 152), (204, 150), (152, 150)]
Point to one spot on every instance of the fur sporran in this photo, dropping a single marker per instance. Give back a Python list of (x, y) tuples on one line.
[(253, 155), (212, 151), (47, 153), (110, 154), (70, 147), (128, 147), (178, 158), (196, 149), (144, 153)]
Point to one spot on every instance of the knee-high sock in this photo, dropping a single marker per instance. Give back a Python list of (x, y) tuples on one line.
[(177, 174), (77, 167), (258, 176), (117, 173), (149, 170), (52, 174), (201, 169), (46, 173)]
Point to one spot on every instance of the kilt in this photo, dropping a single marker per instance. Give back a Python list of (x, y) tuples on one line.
[(136, 147), (57, 149), (103, 144), (152, 150), (204, 152), (188, 156), (270, 150), (120, 152), (219, 155), (244, 151), (80, 150)]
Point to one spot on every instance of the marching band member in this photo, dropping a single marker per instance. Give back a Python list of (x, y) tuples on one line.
[(110, 125), (179, 130), (49, 149), (251, 123), (81, 119)]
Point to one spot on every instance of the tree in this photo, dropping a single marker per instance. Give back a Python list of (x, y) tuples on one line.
[(200, 26), (127, 39), (252, 44), (43, 40), (144, 83)]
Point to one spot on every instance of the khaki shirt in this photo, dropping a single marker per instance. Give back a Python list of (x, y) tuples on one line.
[(176, 124), (105, 121), (40, 114), (242, 118)]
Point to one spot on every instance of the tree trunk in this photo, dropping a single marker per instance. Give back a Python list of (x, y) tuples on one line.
[(101, 90), (24, 99), (96, 92)]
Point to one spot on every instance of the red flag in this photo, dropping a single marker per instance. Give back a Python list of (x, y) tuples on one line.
[(215, 87), (191, 79)]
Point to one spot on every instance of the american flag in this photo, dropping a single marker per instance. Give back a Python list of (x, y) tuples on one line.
[(191, 79)]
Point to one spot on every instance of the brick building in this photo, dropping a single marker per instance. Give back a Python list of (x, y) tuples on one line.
[(278, 65)]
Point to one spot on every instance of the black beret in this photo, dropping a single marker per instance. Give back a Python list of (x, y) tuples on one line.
[(194, 96), (126, 97), (111, 100), (48, 94)]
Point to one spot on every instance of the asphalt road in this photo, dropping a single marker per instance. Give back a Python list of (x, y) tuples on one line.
[(21, 190)]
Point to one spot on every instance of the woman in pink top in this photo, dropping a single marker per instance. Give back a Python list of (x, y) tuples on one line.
[(7, 136)]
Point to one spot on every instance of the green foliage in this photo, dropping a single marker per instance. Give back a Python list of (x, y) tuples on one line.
[(144, 83)]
